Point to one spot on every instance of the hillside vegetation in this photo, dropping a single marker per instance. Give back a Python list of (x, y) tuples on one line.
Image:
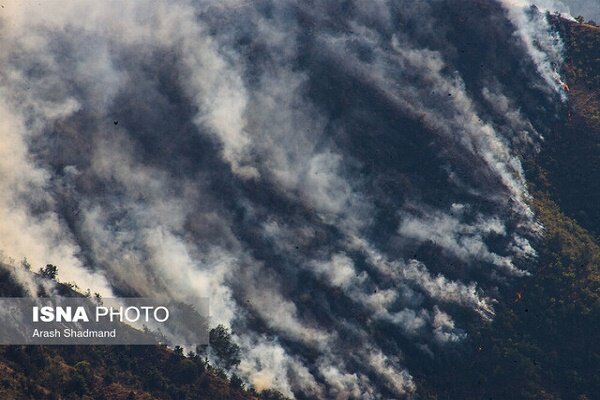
[(543, 343), (119, 372)]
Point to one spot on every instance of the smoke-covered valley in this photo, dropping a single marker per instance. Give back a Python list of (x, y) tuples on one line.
[(343, 180)]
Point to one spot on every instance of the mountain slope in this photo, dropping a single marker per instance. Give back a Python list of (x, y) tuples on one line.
[(399, 179), (111, 372), (543, 343)]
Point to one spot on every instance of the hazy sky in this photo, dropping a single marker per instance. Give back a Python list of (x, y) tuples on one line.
[(590, 9)]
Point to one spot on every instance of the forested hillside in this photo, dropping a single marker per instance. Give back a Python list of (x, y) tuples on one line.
[(119, 372), (367, 222), (543, 343)]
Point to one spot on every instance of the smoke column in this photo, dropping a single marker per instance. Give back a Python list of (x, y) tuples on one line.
[(341, 179)]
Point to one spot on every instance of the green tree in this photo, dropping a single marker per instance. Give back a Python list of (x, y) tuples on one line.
[(236, 382), (227, 351), (49, 271), (187, 371)]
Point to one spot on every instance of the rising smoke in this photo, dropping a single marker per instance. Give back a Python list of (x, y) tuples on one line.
[(339, 178)]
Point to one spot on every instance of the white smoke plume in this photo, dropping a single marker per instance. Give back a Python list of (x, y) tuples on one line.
[(333, 177), (544, 45)]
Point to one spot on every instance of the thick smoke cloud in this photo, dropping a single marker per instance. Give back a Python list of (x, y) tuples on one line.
[(342, 180)]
